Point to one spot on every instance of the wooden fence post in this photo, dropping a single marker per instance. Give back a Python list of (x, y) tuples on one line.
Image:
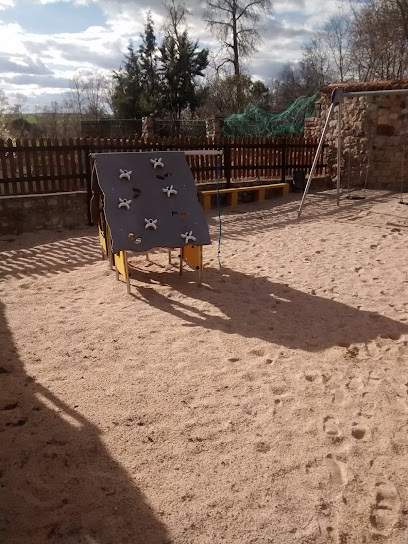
[(88, 172), (227, 162), (283, 173)]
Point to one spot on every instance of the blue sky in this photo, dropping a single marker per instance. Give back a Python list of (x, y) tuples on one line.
[(43, 43)]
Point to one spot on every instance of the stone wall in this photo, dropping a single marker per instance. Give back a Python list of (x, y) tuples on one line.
[(52, 211), (374, 129)]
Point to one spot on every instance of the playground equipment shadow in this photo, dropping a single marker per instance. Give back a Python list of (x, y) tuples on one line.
[(58, 482), (255, 307), (51, 252), (281, 212)]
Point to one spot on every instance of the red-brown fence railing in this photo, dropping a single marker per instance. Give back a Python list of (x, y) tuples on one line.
[(50, 166)]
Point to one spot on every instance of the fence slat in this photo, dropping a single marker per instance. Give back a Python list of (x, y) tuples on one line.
[(4, 187), (36, 167)]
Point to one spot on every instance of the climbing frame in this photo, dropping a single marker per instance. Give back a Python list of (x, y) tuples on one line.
[(149, 200)]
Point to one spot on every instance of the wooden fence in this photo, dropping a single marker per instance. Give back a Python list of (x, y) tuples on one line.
[(50, 166)]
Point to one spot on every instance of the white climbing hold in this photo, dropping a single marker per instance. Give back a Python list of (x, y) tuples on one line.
[(170, 191), (125, 174), (124, 203), (188, 236), (157, 162), (151, 224)]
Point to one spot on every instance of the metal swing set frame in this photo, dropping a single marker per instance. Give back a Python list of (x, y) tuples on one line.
[(336, 100)]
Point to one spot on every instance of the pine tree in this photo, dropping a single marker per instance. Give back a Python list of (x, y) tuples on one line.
[(127, 99), (149, 71), (182, 63)]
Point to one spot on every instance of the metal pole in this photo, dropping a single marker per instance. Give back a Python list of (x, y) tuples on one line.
[(368, 93), (402, 175), (338, 152), (181, 261), (319, 148), (186, 152), (200, 265), (127, 273)]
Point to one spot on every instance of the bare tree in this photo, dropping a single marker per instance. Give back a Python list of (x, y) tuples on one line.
[(75, 100), (4, 132), (89, 95), (379, 44), (50, 120), (236, 25), (396, 10), (3, 102), (336, 36), (95, 87), (221, 98), (19, 104)]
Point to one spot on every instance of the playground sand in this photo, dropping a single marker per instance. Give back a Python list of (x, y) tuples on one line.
[(267, 406)]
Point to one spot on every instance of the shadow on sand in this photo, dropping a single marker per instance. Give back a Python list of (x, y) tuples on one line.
[(61, 252), (255, 307), (58, 483)]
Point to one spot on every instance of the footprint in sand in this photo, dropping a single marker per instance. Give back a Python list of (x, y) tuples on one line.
[(313, 377), (337, 472), (385, 511), (331, 427), (233, 359), (359, 428), (355, 384), (258, 352)]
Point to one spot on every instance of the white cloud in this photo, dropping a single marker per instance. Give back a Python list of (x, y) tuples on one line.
[(39, 62), (77, 2), (5, 4)]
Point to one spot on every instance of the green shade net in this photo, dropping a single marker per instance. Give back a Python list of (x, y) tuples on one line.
[(259, 123)]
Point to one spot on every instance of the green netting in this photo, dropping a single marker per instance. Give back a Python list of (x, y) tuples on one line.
[(259, 123)]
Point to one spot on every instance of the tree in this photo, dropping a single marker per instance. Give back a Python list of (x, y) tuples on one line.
[(304, 78), (3, 102), (336, 36), (95, 85), (76, 97), (4, 132), (379, 42), (149, 70), (88, 95), (50, 120), (236, 25), (181, 64), (127, 98), (221, 97), (19, 104)]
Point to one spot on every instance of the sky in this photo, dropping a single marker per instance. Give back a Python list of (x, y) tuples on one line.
[(44, 43)]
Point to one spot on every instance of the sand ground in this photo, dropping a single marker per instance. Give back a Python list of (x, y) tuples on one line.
[(269, 405)]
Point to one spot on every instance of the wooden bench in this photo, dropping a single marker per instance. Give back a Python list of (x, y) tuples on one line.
[(232, 193)]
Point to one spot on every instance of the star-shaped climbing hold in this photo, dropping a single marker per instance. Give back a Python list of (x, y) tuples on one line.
[(124, 203), (151, 224), (125, 174), (157, 162), (170, 191), (188, 236)]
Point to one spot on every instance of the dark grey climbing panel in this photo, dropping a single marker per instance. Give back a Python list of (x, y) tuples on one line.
[(150, 200)]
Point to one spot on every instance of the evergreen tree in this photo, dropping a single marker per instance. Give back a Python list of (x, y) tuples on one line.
[(181, 64), (149, 71), (127, 99)]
